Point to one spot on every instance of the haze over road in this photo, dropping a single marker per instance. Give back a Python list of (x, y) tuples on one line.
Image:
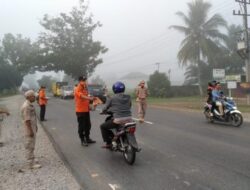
[(179, 151)]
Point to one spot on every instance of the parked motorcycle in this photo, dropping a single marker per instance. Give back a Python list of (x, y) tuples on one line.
[(231, 114), (123, 139)]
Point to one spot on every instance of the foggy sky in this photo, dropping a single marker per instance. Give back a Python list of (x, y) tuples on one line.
[(135, 31)]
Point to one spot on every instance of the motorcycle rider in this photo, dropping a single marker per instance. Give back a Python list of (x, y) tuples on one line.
[(210, 88), (217, 96), (120, 106)]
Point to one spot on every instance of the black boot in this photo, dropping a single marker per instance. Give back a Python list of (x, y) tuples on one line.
[(90, 141), (84, 141)]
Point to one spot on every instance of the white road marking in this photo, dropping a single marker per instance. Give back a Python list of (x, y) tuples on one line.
[(94, 175), (172, 156), (176, 176), (194, 170), (140, 142), (114, 186), (53, 128), (148, 122), (187, 183)]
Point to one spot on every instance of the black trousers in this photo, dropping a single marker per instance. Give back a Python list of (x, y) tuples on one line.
[(42, 112), (105, 129), (84, 124), (213, 107)]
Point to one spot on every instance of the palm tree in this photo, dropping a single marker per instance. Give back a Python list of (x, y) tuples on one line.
[(228, 58), (191, 74), (202, 35)]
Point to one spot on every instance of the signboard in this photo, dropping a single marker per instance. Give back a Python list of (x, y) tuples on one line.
[(236, 78), (231, 84), (218, 73)]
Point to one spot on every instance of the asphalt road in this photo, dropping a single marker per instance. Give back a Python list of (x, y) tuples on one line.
[(179, 151)]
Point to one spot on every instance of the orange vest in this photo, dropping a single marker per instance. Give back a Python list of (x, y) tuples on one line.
[(42, 97), (81, 104)]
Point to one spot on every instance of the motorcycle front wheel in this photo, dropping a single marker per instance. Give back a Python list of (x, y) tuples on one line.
[(129, 154), (236, 119)]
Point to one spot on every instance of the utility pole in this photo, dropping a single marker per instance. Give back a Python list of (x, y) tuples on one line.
[(245, 15), (158, 66), (169, 72)]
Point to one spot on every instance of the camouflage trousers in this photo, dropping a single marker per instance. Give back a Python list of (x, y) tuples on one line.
[(1, 140), (142, 106), (29, 149)]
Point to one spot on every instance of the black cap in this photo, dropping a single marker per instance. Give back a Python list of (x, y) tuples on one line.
[(82, 78)]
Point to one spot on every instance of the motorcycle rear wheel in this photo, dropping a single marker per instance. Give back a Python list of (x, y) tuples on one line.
[(129, 154), (207, 116), (236, 119)]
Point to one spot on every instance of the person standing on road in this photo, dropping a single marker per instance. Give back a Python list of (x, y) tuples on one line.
[(82, 107), (42, 102), (28, 114), (141, 95), (1, 119)]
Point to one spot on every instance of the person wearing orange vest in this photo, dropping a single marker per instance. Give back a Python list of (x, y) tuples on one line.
[(42, 103), (82, 108)]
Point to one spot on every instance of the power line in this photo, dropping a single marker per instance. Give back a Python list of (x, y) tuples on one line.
[(222, 6), (139, 45), (155, 39), (158, 66), (148, 51)]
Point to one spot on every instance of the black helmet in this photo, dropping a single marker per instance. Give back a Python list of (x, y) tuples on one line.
[(214, 82), (82, 78)]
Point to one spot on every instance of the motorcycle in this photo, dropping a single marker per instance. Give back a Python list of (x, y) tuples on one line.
[(123, 139), (231, 114)]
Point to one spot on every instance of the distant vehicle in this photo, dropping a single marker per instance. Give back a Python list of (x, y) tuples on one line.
[(56, 88), (97, 90), (67, 92)]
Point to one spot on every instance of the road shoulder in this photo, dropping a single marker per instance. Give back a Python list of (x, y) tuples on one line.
[(53, 175)]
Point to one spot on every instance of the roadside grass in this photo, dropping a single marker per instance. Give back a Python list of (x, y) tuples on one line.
[(8, 93), (193, 102)]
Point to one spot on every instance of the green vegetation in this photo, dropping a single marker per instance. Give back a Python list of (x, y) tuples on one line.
[(10, 78), (194, 103), (204, 46), (68, 45), (159, 85), (9, 92)]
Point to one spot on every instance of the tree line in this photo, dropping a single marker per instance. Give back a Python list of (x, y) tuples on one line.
[(67, 45), (205, 47)]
